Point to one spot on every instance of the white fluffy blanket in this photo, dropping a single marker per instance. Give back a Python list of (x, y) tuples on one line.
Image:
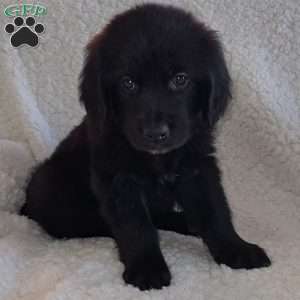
[(258, 147)]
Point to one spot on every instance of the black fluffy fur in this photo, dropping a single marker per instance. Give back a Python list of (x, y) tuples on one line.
[(105, 180)]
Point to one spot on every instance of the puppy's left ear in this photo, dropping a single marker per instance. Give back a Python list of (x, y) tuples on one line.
[(220, 86), (91, 89)]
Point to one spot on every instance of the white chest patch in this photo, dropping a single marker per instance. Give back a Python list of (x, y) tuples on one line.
[(177, 207)]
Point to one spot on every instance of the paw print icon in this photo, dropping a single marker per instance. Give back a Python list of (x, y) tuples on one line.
[(24, 33)]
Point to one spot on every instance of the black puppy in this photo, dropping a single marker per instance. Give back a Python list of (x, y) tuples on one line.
[(154, 84)]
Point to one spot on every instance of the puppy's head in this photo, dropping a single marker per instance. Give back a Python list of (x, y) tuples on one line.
[(157, 75)]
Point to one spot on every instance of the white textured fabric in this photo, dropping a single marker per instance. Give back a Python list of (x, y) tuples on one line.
[(258, 146)]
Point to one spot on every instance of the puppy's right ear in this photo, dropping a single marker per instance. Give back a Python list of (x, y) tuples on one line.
[(91, 91)]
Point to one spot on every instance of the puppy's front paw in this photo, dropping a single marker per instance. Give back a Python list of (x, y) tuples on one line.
[(148, 274), (241, 255)]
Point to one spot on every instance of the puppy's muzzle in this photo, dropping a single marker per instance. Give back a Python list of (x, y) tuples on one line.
[(156, 135)]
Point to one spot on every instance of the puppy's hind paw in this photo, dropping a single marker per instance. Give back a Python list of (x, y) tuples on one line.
[(242, 256)]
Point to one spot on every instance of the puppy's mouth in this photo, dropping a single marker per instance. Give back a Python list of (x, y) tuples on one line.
[(158, 149)]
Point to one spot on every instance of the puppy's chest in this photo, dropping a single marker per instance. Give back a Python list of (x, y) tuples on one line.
[(160, 193), (162, 190)]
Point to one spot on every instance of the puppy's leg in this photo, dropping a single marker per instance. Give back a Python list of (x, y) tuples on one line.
[(136, 237), (62, 204), (208, 215)]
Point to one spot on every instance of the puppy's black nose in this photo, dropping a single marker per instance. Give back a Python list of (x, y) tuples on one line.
[(158, 134)]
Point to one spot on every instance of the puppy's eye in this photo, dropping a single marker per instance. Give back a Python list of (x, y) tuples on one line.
[(128, 84), (179, 82)]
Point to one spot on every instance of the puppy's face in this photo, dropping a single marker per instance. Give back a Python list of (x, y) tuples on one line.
[(155, 100), (157, 71)]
